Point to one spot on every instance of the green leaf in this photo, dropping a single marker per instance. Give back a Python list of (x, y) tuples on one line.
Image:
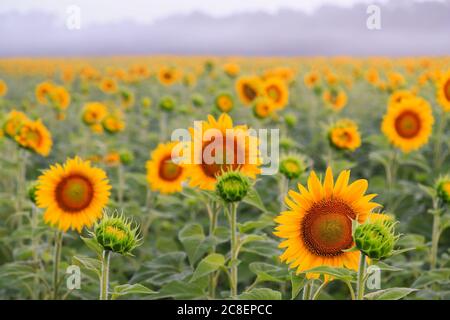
[(266, 248), (88, 263), (337, 273), (92, 244), (252, 238), (264, 221), (434, 276), (297, 284), (191, 236), (260, 294), (254, 200), (181, 290), (384, 267), (207, 265), (125, 289), (389, 294), (268, 273)]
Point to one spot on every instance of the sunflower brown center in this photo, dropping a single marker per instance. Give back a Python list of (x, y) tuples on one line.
[(447, 90), (221, 161), (249, 92), (408, 124), (168, 170), (327, 227), (74, 193)]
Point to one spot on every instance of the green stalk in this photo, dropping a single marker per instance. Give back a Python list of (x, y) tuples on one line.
[(306, 291), (104, 280), (121, 178), (435, 239), (212, 214), (56, 262), (319, 290), (438, 144), (234, 249), (361, 276)]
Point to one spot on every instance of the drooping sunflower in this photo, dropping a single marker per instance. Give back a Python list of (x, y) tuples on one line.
[(14, 121), (336, 99), (263, 108), (277, 91), (3, 88), (248, 88), (163, 174), (60, 97), (317, 227), (443, 91), (35, 136), (344, 135), (113, 123), (202, 170), (231, 69), (73, 194), (43, 92), (408, 124)]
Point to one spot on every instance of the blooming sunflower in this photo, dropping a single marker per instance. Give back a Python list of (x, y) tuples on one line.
[(443, 91), (263, 108), (43, 92), (311, 79), (35, 136), (108, 85), (168, 76), (400, 95), (276, 90), (335, 99), (248, 88), (224, 102), (113, 123), (203, 172), (94, 113), (3, 88), (231, 69), (14, 121), (408, 124), (345, 135), (73, 194), (163, 174), (60, 97), (318, 225)]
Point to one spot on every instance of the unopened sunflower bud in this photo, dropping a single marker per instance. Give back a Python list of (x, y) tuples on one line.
[(292, 166), (126, 157), (197, 100), (443, 189), (167, 103), (376, 239), (115, 233), (232, 186)]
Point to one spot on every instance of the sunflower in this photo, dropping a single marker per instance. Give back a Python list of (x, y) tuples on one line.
[(231, 69), (3, 88), (400, 95), (263, 108), (248, 88), (35, 136), (443, 91), (126, 99), (318, 224), (113, 123), (168, 76), (335, 99), (344, 135), (203, 172), (60, 97), (94, 113), (311, 79), (408, 124), (14, 121), (43, 92), (108, 85), (73, 194), (276, 90), (224, 102), (163, 174)]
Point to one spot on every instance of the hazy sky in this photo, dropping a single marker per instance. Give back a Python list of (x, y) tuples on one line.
[(100, 11)]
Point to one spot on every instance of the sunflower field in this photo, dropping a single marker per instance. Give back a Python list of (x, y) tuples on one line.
[(93, 204)]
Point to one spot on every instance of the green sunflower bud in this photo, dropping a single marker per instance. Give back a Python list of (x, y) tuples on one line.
[(443, 189), (167, 103), (292, 166), (376, 239), (126, 157), (32, 192), (232, 186), (116, 233), (197, 100), (291, 120)]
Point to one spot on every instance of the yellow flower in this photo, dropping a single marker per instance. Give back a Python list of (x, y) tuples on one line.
[(224, 102), (408, 124), (276, 91), (443, 91), (35, 136), (400, 95), (43, 92), (168, 76), (263, 108), (163, 174), (311, 79), (113, 123), (108, 85), (60, 97), (73, 195), (317, 227), (335, 99), (203, 172), (231, 69), (345, 135), (14, 121), (248, 88), (3, 88), (94, 112)]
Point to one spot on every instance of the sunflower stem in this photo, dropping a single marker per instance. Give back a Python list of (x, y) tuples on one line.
[(435, 239), (234, 249), (306, 291), (319, 290), (438, 145), (212, 214), (121, 178), (56, 262), (361, 275), (104, 280)]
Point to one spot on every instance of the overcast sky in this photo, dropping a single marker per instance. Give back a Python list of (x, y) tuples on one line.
[(101, 11)]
